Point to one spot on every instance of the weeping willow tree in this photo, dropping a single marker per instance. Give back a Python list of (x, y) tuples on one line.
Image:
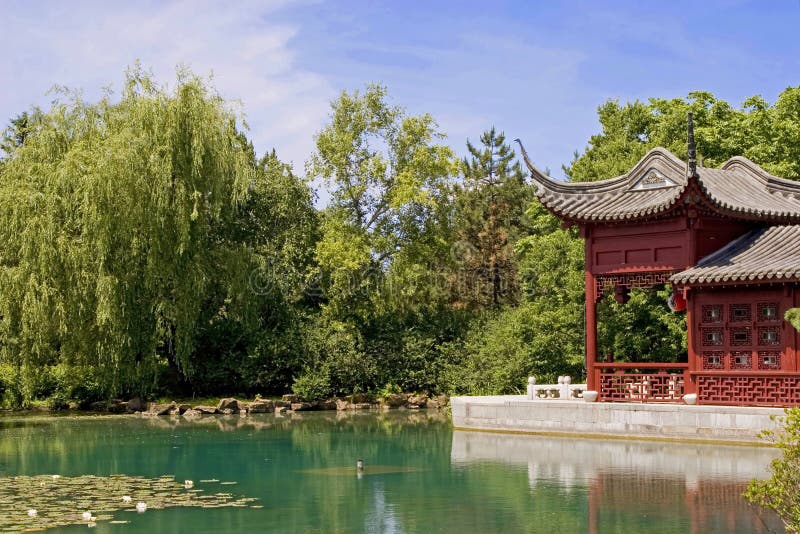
[(110, 217)]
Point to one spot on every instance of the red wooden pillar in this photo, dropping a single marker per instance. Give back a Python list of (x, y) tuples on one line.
[(591, 332), (692, 312), (793, 352), (590, 339)]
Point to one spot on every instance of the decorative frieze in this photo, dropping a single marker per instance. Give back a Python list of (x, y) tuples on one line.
[(607, 282)]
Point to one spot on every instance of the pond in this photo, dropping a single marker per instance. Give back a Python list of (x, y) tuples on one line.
[(296, 473)]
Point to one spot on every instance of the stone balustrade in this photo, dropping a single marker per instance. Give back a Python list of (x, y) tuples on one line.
[(564, 390)]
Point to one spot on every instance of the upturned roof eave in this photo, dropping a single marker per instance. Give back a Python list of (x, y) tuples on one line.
[(545, 184)]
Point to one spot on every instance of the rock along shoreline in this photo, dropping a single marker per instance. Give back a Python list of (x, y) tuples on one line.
[(287, 403)]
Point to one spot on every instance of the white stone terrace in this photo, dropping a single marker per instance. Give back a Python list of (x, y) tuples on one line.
[(569, 416)]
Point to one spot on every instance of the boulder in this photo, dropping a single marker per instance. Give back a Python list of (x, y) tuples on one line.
[(359, 398), (282, 404), (182, 408), (441, 401), (395, 400), (191, 413), (418, 400), (433, 404), (136, 404), (162, 409), (281, 409), (359, 406), (342, 404), (228, 404), (118, 406), (99, 406), (290, 398), (227, 411), (261, 406), (329, 404), (302, 406), (205, 409), (242, 413)]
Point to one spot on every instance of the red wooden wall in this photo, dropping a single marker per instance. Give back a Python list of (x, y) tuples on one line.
[(665, 245), (741, 351)]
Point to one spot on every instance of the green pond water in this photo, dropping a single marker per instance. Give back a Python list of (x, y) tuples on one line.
[(420, 476)]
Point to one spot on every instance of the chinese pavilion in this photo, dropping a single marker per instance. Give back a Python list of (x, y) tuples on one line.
[(727, 240)]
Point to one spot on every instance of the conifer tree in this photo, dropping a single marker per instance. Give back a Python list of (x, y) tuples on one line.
[(491, 203)]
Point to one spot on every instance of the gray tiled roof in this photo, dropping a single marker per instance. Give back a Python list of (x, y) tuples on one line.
[(765, 254), (658, 180)]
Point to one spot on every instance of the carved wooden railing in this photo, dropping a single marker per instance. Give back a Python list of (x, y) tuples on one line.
[(641, 382), (748, 388)]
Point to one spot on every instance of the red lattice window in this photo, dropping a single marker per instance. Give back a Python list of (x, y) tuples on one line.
[(739, 313), (713, 359), (712, 336), (740, 336), (712, 313), (769, 360), (769, 335), (741, 360), (768, 311)]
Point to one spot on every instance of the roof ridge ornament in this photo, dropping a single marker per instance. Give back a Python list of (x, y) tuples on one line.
[(691, 168)]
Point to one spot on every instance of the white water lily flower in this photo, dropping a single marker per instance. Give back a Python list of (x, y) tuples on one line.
[(32, 513), (126, 498), (188, 484), (87, 516), (141, 507)]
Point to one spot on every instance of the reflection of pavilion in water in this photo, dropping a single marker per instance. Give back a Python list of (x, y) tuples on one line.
[(699, 486)]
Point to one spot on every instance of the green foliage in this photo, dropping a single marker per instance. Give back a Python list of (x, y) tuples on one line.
[(543, 337), (384, 237), (60, 385), (11, 387), (335, 350), (18, 130), (490, 206), (388, 390), (108, 210), (138, 232), (312, 385), (387, 180), (780, 492), (146, 249), (793, 316), (767, 134), (641, 330), (414, 351)]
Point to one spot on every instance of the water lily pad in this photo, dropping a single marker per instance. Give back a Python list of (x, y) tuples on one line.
[(61, 501)]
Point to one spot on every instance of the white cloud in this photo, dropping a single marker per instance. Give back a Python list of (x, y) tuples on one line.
[(245, 46)]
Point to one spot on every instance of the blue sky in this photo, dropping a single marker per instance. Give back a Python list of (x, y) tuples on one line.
[(536, 70)]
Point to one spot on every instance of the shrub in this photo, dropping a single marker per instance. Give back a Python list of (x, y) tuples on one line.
[(13, 394), (312, 385), (335, 349), (780, 492)]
